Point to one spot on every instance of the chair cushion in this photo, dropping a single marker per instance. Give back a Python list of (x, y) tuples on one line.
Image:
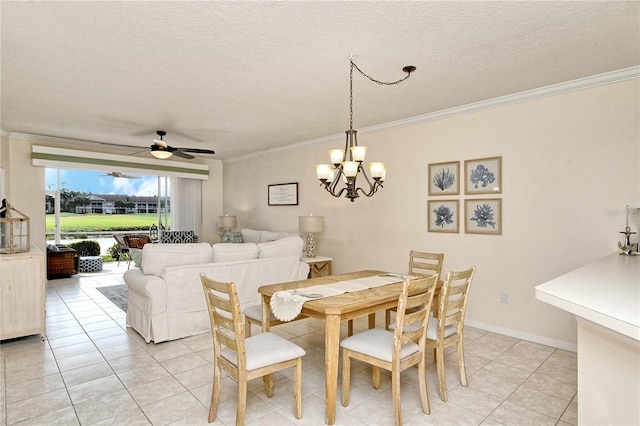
[(285, 247), (377, 343), (232, 252), (255, 312), (265, 349), (432, 329)]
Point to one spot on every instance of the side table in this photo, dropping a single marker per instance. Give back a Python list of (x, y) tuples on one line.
[(318, 266)]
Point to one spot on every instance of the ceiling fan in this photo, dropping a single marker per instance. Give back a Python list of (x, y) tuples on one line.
[(161, 150), (121, 175)]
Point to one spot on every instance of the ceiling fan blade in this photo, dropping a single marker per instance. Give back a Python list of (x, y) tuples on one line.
[(179, 153), (197, 150)]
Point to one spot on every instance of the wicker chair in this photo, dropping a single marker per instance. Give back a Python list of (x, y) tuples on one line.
[(62, 261)]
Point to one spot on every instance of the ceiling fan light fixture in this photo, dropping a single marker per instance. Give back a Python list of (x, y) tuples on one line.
[(160, 153)]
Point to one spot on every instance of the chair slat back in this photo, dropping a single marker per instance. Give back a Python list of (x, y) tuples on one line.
[(425, 264), (454, 297), (412, 316), (120, 239), (226, 318)]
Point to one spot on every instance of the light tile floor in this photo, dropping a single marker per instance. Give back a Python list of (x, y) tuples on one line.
[(93, 370)]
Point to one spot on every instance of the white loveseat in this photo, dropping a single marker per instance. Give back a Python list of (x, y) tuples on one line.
[(166, 300)]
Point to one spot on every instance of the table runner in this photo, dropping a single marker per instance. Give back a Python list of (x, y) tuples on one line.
[(286, 305)]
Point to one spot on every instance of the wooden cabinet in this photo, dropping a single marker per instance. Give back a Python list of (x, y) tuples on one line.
[(22, 294)]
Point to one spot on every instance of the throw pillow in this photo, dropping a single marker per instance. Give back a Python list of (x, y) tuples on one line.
[(136, 256), (250, 235), (284, 247), (231, 237)]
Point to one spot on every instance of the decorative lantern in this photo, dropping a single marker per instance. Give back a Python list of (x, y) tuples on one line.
[(14, 230)]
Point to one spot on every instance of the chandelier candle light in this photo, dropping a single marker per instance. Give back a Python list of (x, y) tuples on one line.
[(227, 222), (311, 225), (345, 170)]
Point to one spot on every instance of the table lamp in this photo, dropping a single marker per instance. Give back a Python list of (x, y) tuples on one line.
[(311, 225), (226, 222)]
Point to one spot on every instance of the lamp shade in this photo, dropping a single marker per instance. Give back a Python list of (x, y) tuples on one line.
[(311, 224), (226, 222)]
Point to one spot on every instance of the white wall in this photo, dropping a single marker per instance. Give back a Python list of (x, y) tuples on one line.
[(569, 164)]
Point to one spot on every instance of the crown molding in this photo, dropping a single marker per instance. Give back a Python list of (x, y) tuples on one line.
[(529, 95)]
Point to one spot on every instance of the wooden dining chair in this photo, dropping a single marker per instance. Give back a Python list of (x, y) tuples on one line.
[(448, 328), (395, 351), (420, 264), (243, 358)]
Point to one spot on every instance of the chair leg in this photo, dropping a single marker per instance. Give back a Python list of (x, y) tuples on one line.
[(215, 395), (346, 377), (461, 367), (247, 327), (350, 328), (440, 368), (387, 319), (376, 377), (268, 385), (297, 389), (242, 401), (422, 383), (395, 394)]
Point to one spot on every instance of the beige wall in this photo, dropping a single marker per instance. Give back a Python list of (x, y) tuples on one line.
[(570, 165)]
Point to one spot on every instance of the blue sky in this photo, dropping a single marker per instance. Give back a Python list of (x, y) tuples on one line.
[(98, 183)]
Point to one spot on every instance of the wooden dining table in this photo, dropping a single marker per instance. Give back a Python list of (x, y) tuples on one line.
[(333, 310)]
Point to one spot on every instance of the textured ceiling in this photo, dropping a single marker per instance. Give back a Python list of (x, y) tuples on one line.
[(242, 77)]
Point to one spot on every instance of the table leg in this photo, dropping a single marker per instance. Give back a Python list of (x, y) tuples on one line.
[(372, 320), (331, 357)]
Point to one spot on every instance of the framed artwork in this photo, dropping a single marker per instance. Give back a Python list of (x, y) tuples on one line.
[(483, 176), (444, 178), (483, 216), (283, 194), (443, 216)]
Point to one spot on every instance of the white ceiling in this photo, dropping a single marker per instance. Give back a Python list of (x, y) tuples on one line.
[(242, 77)]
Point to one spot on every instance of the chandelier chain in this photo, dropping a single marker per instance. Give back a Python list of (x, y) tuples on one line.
[(384, 83)]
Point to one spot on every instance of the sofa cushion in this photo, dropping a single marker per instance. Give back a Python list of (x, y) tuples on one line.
[(267, 236), (231, 252), (155, 257), (284, 247), (250, 235), (231, 237)]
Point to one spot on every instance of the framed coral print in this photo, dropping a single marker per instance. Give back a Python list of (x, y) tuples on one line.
[(443, 215), (483, 216), (283, 194), (483, 176), (444, 178)]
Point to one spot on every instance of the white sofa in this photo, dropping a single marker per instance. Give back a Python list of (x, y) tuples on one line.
[(166, 300)]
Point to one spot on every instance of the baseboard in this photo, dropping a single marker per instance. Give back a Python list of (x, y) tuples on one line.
[(567, 346)]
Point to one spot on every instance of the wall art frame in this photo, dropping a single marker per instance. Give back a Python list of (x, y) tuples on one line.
[(483, 176), (283, 194), (443, 216), (483, 216), (444, 178)]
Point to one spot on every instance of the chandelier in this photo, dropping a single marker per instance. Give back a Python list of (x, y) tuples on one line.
[(346, 170)]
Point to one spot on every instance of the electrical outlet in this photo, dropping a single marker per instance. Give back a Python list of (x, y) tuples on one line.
[(504, 297)]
